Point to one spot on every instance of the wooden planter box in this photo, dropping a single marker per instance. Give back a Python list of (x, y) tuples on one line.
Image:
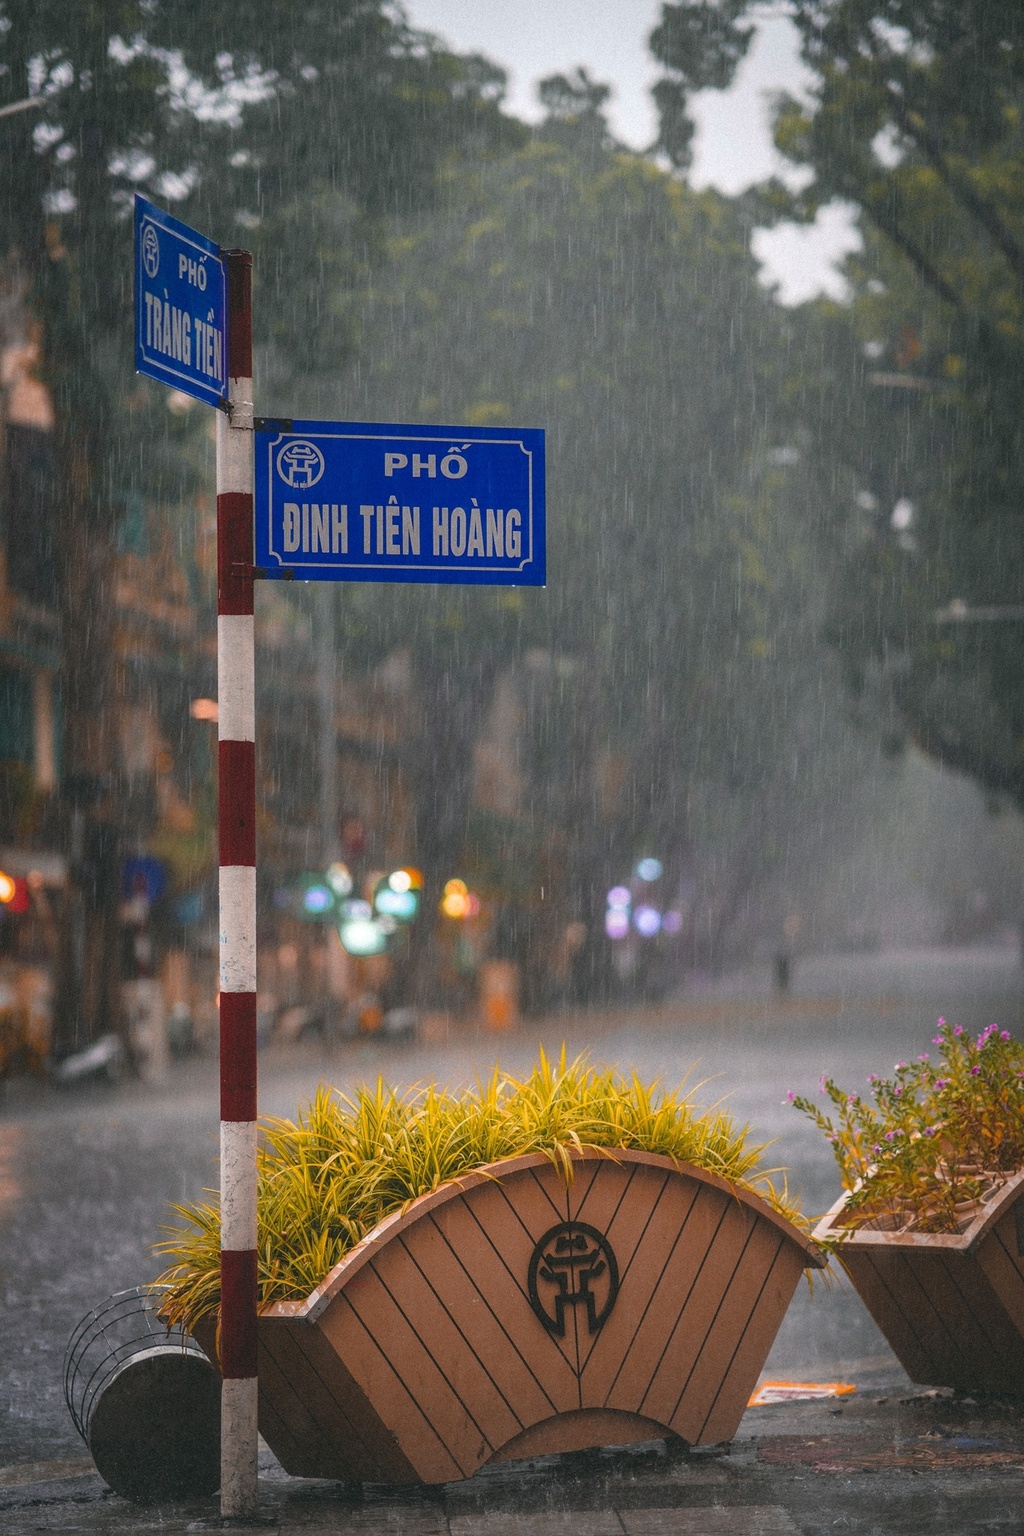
[(506, 1315), (950, 1305)]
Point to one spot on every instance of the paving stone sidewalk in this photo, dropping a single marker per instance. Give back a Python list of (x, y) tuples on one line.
[(882, 1466)]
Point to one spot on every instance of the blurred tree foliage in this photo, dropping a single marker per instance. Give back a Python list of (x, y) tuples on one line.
[(668, 676), (244, 117), (915, 116)]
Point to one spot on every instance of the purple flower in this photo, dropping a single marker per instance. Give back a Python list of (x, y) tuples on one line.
[(958, 1029), (975, 1071), (872, 1077), (922, 1058), (889, 1135), (940, 1021), (791, 1096), (898, 1092), (942, 1082), (851, 1098), (876, 1147), (822, 1080), (898, 1067), (936, 1039), (1004, 1034)]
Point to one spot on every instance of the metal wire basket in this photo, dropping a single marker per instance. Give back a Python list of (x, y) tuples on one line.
[(124, 1326)]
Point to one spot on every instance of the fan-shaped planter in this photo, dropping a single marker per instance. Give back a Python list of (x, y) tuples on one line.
[(508, 1315), (951, 1305)]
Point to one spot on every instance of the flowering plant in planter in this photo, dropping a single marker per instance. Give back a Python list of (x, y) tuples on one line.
[(933, 1143)]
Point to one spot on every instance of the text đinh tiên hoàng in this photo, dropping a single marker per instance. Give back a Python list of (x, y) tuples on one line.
[(322, 528)]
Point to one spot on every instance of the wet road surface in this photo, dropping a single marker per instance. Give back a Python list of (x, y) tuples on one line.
[(86, 1179)]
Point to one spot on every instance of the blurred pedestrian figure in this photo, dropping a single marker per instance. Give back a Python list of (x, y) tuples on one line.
[(784, 957)]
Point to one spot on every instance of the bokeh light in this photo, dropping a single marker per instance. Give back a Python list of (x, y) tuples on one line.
[(7, 887), (672, 922), (400, 881), (400, 905), (362, 936), (650, 869), (316, 900), (647, 921), (356, 910), (619, 898), (339, 879), (616, 923), (455, 901)]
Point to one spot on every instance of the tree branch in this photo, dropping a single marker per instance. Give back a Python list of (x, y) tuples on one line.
[(960, 187), (891, 227)]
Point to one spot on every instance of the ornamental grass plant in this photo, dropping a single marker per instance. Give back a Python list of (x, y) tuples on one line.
[(932, 1143), (327, 1178)]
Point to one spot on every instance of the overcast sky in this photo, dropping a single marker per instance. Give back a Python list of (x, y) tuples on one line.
[(534, 38)]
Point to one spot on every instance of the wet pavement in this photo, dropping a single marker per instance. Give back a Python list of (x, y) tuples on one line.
[(901, 1467), (86, 1179)]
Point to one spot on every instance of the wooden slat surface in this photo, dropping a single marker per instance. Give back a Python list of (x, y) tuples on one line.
[(486, 1334), (903, 1310), (370, 1358), (730, 1398), (619, 1202), (991, 1338), (670, 1397), (953, 1315), (338, 1401), (475, 1385), (495, 1251), (580, 1188), (965, 1308), (429, 1359), (726, 1329), (443, 1415), (289, 1418), (1002, 1264), (653, 1228), (513, 1219), (644, 1353)]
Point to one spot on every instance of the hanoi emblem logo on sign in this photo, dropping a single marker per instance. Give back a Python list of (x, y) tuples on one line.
[(150, 251), (300, 465), (573, 1267)]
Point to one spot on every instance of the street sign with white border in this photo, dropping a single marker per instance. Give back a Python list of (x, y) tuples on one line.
[(180, 306), (357, 501)]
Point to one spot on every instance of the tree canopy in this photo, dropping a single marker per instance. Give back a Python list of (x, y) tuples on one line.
[(239, 116), (668, 673), (915, 117)]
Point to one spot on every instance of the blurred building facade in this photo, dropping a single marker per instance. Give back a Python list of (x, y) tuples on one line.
[(163, 703)]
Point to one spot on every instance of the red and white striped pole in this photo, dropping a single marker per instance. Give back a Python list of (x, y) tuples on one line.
[(237, 782)]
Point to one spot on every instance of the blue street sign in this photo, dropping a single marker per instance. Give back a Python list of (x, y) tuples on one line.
[(180, 306), (353, 501)]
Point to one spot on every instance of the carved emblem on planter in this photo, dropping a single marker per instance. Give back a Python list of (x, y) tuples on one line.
[(573, 1266), (441, 1294)]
